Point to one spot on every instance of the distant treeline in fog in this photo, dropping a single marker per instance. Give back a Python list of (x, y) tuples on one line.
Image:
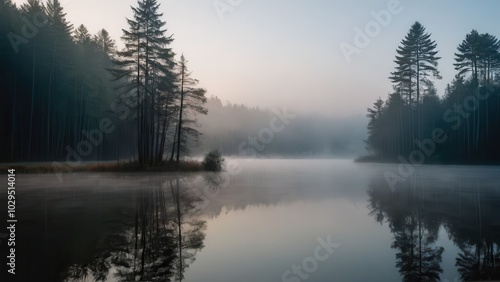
[(243, 131), (416, 125)]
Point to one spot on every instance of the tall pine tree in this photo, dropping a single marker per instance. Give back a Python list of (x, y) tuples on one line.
[(145, 68), (192, 100), (416, 59)]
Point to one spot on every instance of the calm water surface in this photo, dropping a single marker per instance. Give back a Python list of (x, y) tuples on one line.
[(267, 220)]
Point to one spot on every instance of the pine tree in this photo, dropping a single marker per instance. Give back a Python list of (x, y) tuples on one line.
[(82, 35), (60, 53), (415, 61), (478, 53), (374, 116), (467, 58), (490, 56), (105, 43), (147, 62), (57, 19), (192, 100), (31, 7)]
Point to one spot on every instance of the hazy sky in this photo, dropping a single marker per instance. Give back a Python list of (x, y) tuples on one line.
[(287, 52)]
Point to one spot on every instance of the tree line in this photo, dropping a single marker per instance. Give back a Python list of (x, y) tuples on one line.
[(303, 136), (466, 118), (70, 95)]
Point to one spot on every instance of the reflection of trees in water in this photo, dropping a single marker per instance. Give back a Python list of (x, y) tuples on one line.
[(415, 211), (418, 259), (475, 228), (213, 181), (414, 231), (187, 228), (156, 241)]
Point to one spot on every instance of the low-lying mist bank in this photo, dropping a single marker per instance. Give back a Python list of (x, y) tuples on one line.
[(241, 131)]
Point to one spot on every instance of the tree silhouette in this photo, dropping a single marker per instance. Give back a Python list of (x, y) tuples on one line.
[(415, 232), (468, 111), (466, 208), (56, 88), (146, 68), (192, 100), (154, 240), (416, 59), (106, 44)]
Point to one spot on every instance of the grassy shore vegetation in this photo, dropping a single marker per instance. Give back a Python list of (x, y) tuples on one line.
[(128, 166), (213, 161)]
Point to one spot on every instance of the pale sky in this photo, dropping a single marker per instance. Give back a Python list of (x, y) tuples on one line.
[(277, 53)]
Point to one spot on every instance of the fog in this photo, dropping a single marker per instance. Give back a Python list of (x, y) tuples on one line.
[(239, 130)]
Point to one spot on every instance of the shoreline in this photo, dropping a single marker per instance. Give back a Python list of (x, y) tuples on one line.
[(105, 166)]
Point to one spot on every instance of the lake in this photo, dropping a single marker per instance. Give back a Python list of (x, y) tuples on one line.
[(262, 220)]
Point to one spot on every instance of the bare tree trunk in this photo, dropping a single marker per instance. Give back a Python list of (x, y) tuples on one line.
[(13, 118), (32, 102), (172, 155), (50, 94), (180, 114)]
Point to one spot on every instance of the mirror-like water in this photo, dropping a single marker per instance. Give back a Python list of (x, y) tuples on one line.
[(268, 220)]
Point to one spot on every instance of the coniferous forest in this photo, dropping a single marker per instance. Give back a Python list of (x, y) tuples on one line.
[(416, 125), (69, 95)]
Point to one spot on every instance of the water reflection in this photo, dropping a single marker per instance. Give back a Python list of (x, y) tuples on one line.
[(150, 227), (467, 208), (156, 240)]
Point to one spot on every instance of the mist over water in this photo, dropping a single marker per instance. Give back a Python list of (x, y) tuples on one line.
[(258, 222)]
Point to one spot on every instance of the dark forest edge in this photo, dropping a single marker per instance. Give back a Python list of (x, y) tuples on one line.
[(414, 125), (72, 96)]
